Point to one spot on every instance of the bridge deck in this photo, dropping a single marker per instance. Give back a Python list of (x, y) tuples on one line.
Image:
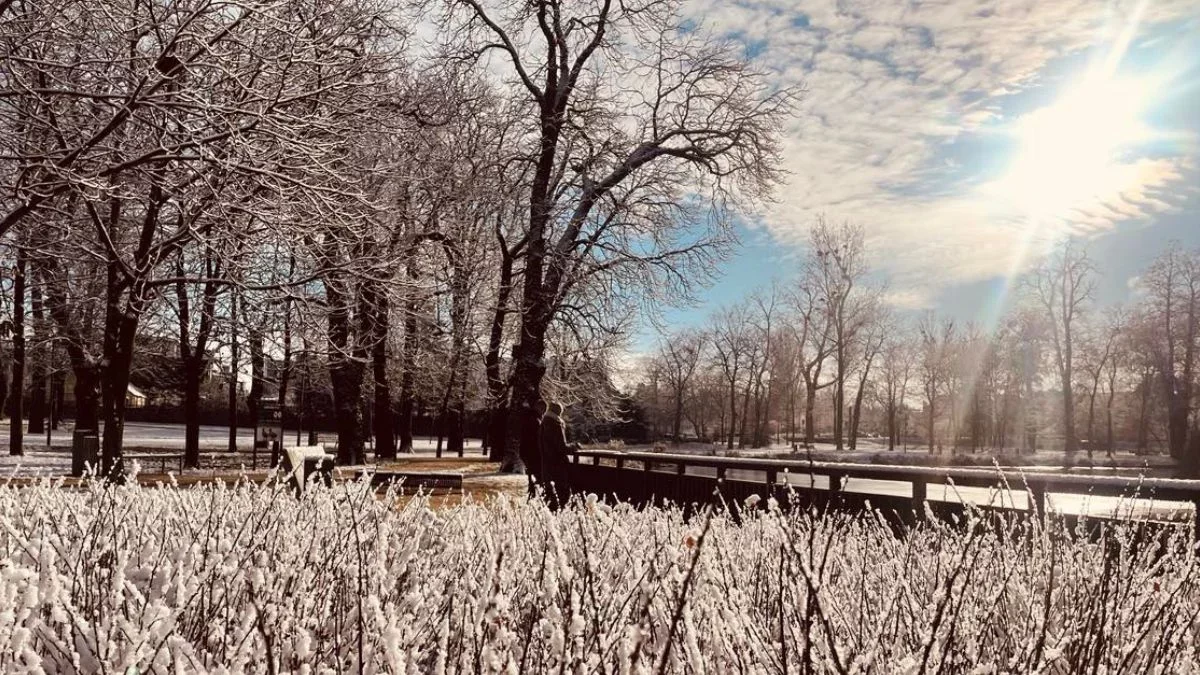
[(688, 479)]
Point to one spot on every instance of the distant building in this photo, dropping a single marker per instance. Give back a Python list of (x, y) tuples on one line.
[(134, 397)]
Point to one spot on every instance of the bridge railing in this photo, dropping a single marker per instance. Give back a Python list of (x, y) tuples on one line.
[(653, 477)]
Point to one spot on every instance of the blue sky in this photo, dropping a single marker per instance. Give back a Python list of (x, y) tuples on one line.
[(969, 137)]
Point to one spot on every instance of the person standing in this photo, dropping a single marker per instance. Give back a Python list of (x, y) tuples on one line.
[(555, 474), (532, 456)]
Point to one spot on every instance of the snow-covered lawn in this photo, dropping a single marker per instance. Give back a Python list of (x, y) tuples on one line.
[(247, 579)]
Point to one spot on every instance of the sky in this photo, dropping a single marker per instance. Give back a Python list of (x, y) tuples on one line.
[(969, 137)]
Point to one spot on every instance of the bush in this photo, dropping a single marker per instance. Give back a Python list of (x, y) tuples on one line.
[(246, 579)]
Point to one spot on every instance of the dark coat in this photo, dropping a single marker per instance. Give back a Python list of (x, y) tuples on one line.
[(554, 451), (531, 454)]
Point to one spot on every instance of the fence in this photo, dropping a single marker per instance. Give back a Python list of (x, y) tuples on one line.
[(903, 494)]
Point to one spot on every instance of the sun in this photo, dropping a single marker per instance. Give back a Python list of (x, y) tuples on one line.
[(1069, 153)]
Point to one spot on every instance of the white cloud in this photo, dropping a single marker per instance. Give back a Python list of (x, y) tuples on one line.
[(890, 83)]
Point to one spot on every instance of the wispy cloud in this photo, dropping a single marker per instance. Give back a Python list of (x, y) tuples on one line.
[(894, 86)]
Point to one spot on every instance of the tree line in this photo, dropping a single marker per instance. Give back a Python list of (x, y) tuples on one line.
[(420, 204), (824, 357)]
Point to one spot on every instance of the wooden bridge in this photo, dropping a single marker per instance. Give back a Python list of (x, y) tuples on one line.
[(901, 493)]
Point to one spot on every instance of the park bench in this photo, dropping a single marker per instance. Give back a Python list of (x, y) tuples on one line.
[(301, 462), (148, 459)]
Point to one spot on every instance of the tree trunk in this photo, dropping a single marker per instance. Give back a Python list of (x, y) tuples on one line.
[(193, 373), (408, 364), (677, 420), (233, 373), (16, 396), (537, 309), (3, 385), (455, 433), (839, 395), (346, 378), (810, 413), (285, 370), (83, 365), (528, 370), (1071, 443), (257, 363), (855, 415), (41, 365), (118, 361), (1143, 423), (745, 417), (892, 430), (732, 414), (931, 424), (1177, 424), (1108, 444), (1108, 411), (858, 398), (497, 403), (114, 380), (194, 357), (1030, 415), (1091, 426), (454, 403), (58, 397), (382, 420)]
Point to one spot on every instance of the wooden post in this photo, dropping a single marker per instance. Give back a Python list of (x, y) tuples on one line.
[(919, 494), (835, 482), (648, 481)]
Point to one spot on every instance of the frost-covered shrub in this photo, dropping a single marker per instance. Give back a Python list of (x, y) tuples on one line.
[(248, 579)]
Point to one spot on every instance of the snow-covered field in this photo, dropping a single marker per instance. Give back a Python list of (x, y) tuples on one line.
[(247, 579), (146, 438)]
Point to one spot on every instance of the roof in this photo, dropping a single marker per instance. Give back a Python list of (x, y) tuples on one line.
[(135, 392)]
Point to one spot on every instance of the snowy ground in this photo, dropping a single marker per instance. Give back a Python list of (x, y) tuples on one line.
[(150, 436), (166, 439), (870, 451)]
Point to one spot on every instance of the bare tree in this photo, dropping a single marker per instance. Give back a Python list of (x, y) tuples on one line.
[(936, 342), (813, 344), (1116, 327), (679, 356), (840, 269), (765, 325), (899, 352), (1062, 285), (1172, 342), (870, 343), (731, 351), (16, 396), (42, 351), (692, 116), (138, 119), (1098, 343), (196, 329)]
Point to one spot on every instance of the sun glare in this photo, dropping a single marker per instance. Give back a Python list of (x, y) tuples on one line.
[(1069, 152)]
